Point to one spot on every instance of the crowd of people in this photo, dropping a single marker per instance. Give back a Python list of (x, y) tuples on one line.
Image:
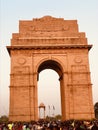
[(51, 125)]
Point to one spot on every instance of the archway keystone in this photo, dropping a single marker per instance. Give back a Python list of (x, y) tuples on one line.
[(54, 43)]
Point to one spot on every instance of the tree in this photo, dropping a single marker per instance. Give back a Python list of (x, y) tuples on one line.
[(4, 118), (58, 117), (96, 110)]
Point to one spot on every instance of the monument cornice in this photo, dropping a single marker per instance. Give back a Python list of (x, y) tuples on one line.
[(18, 47)]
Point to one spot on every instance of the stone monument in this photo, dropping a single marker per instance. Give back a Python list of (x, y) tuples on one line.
[(50, 43)]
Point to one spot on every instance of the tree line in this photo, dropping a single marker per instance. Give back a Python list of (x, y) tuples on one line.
[(4, 118)]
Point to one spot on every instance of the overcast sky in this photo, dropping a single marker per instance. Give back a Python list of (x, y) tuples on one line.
[(11, 11)]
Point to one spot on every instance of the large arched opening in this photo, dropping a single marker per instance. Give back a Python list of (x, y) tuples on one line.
[(49, 90)]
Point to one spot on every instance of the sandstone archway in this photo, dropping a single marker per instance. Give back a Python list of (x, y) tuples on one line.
[(51, 64), (55, 43)]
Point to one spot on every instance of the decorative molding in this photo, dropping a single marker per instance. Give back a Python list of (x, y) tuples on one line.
[(78, 59), (9, 48), (21, 61)]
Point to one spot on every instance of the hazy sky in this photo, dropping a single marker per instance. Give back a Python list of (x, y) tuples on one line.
[(11, 11)]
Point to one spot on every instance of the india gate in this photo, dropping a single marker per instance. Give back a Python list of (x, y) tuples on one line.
[(50, 43)]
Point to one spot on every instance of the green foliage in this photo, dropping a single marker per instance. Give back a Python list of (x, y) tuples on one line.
[(4, 118), (96, 110), (56, 117)]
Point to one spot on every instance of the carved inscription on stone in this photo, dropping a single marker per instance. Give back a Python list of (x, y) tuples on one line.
[(21, 76), (79, 68), (79, 78), (47, 23), (21, 80), (79, 75), (21, 70)]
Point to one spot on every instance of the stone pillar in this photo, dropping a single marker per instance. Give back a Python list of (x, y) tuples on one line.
[(64, 96), (35, 93)]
